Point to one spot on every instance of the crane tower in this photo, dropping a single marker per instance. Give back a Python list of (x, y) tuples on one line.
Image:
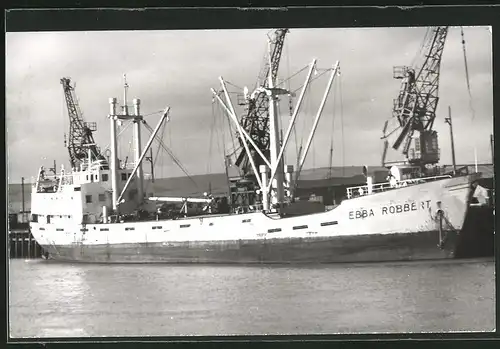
[(81, 138), (415, 107), (256, 119)]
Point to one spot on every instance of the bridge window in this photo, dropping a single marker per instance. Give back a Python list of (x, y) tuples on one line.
[(124, 176), (102, 197), (104, 177), (88, 199)]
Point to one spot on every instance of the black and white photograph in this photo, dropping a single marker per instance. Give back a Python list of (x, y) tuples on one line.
[(270, 181)]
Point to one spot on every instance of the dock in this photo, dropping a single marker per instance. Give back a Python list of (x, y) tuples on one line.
[(22, 244)]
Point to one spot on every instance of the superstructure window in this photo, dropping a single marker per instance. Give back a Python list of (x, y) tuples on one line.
[(88, 199), (102, 197), (105, 177), (124, 176)]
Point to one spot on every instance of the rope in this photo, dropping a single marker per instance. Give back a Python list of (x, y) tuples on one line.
[(211, 140), (153, 160), (290, 98), (230, 83), (342, 121), (118, 135), (314, 78), (223, 140), (422, 47), (231, 132), (467, 75), (174, 158), (333, 129), (292, 76)]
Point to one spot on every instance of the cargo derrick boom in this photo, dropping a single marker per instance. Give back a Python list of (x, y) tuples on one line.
[(256, 120), (81, 137), (415, 107)]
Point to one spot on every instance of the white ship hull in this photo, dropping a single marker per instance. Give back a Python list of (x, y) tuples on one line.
[(398, 224)]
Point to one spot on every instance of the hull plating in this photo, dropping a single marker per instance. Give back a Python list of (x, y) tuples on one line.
[(364, 248)]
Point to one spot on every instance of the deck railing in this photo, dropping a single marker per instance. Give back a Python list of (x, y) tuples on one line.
[(362, 190)]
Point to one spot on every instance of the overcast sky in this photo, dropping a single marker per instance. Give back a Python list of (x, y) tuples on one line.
[(178, 68)]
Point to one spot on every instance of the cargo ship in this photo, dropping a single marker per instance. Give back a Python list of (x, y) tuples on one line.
[(98, 211)]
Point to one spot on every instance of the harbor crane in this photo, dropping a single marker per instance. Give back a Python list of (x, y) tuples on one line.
[(256, 121), (415, 107), (81, 138)]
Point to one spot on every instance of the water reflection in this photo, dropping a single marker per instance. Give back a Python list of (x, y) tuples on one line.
[(60, 300), (51, 297)]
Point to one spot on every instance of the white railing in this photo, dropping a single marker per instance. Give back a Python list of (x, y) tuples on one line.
[(362, 190)]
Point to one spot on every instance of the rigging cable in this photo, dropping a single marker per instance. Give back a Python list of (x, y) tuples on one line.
[(307, 109), (469, 91), (333, 128), (212, 126), (154, 159), (467, 74), (172, 156), (290, 98), (342, 120), (225, 162), (425, 42)]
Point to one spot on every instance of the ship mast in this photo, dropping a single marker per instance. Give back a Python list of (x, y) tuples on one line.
[(137, 119)]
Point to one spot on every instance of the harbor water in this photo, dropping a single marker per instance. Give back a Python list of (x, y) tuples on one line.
[(51, 299)]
